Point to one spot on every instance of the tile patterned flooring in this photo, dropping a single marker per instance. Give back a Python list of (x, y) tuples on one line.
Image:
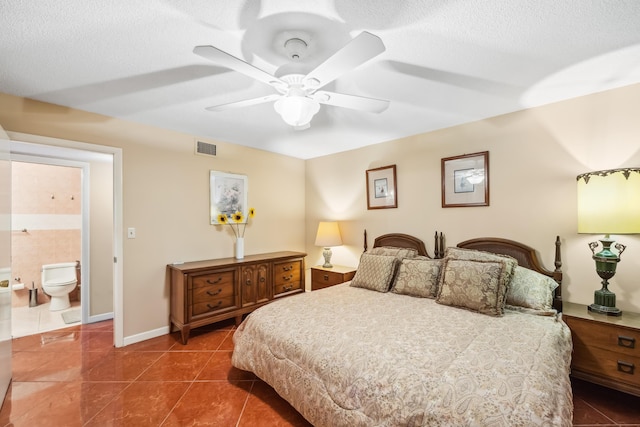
[(75, 377)]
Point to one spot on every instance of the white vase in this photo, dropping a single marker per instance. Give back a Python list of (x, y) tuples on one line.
[(240, 248)]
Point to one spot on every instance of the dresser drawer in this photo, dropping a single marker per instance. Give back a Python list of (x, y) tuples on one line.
[(215, 304), (605, 336), (287, 277), (324, 278), (222, 278), (606, 363)]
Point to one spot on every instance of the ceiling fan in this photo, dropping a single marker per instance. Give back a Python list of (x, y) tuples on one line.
[(299, 95)]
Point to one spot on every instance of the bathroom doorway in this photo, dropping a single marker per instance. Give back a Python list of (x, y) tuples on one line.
[(48, 207)]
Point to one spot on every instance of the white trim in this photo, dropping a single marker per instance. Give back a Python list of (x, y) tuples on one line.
[(116, 153), (143, 336), (100, 317)]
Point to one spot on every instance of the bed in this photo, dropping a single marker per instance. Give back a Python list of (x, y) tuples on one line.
[(357, 355)]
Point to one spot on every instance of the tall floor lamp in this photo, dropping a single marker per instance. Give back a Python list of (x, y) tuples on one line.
[(608, 203), (328, 235)]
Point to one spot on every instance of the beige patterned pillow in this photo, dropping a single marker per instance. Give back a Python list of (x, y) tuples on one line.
[(418, 277), (375, 272), (474, 285), (531, 289), (473, 255), (399, 253)]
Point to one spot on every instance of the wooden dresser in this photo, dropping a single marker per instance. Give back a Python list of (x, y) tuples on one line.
[(324, 277), (204, 292), (606, 349)]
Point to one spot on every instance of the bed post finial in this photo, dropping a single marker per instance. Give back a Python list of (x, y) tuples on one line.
[(557, 275), (365, 240)]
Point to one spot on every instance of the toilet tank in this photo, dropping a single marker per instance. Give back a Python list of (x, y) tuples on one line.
[(57, 273)]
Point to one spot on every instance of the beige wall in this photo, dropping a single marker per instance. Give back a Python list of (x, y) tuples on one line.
[(166, 197), (535, 156)]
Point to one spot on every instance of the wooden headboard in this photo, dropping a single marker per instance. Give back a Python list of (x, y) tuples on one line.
[(527, 257), (399, 240)]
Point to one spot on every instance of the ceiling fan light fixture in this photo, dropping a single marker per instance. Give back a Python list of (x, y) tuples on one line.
[(297, 111)]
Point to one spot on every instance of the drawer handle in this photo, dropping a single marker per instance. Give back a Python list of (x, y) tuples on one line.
[(289, 277), (262, 279), (213, 307), (248, 282), (287, 288), (213, 282), (326, 277), (626, 367), (628, 342), (287, 268), (213, 294)]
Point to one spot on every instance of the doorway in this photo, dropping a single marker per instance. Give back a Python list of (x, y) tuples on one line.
[(104, 199), (48, 213)]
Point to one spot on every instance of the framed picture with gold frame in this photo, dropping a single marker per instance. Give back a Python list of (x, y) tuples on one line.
[(381, 188), (465, 180)]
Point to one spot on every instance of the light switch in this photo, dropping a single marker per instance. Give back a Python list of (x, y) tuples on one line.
[(131, 233)]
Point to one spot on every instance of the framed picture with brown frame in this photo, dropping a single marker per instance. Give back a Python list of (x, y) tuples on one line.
[(381, 188), (465, 180)]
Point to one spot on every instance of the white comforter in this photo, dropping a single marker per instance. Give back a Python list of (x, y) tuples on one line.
[(347, 356)]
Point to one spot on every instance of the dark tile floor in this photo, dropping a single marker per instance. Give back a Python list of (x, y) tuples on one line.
[(75, 377)]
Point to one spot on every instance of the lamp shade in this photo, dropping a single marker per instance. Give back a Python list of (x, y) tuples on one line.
[(296, 110), (328, 234), (609, 201)]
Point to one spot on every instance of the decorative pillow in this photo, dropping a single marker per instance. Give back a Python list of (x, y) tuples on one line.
[(418, 277), (375, 272), (474, 285), (399, 253), (474, 255), (531, 289)]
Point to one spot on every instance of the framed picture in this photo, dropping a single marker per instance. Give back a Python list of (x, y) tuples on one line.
[(381, 188), (465, 180), (228, 194)]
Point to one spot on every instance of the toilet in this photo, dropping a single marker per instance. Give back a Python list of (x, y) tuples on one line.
[(58, 280)]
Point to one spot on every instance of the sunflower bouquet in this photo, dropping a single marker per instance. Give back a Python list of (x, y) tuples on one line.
[(238, 219)]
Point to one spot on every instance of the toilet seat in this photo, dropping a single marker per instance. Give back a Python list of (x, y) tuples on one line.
[(59, 283)]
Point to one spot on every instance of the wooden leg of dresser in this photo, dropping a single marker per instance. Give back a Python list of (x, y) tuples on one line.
[(238, 320), (184, 334)]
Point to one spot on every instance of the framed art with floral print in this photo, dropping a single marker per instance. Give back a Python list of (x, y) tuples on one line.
[(465, 180), (228, 194), (381, 188)]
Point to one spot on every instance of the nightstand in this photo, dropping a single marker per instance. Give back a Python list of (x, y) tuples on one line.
[(606, 349), (324, 277)]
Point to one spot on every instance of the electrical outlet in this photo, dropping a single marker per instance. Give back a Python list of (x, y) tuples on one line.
[(131, 233)]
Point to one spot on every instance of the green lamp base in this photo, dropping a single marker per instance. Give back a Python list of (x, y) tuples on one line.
[(603, 309)]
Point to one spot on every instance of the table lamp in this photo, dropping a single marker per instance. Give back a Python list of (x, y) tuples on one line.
[(328, 235), (608, 203)]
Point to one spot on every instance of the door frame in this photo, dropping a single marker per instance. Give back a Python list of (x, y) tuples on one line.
[(83, 149)]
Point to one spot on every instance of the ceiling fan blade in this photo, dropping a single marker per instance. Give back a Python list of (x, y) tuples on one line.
[(361, 103), (358, 51), (227, 60), (245, 103)]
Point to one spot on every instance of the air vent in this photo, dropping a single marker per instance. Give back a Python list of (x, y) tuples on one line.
[(205, 149)]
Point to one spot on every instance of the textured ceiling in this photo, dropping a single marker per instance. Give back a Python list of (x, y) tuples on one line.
[(446, 62)]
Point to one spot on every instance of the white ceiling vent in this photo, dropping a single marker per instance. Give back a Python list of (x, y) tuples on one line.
[(205, 149)]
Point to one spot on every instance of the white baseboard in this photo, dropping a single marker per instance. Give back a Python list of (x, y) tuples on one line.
[(146, 335), (100, 317)]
